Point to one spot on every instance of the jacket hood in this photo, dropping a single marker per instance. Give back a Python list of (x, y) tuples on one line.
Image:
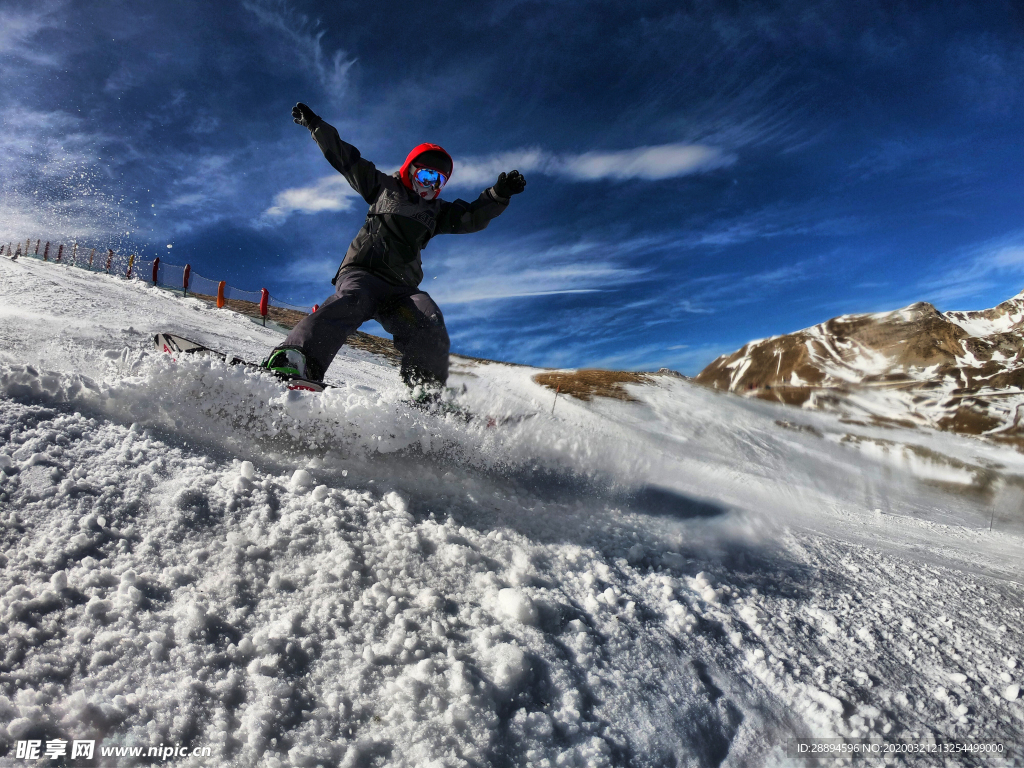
[(403, 174)]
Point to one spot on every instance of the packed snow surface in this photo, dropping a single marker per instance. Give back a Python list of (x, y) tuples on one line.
[(194, 556)]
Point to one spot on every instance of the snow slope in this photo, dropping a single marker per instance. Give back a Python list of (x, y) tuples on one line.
[(192, 556)]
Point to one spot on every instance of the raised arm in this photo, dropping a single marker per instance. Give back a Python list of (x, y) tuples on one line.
[(460, 217), (359, 172)]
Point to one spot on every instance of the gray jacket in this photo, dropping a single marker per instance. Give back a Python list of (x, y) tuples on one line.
[(399, 223)]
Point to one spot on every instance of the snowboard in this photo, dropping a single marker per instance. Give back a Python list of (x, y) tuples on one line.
[(178, 346)]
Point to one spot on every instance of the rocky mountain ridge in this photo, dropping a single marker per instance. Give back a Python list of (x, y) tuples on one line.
[(916, 367)]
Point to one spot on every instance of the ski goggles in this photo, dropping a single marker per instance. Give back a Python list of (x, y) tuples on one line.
[(428, 177)]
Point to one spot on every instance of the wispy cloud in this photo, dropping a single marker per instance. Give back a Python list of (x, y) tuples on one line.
[(530, 266), (549, 280), (128, 75), (805, 219), (980, 270), (309, 270), (331, 69), (18, 28), (665, 161), (332, 193), (652, 357), (209, 178)]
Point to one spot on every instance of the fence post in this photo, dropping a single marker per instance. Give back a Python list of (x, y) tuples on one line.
[(315, 308), (264, 301), (91, 254), (185, 278), (28, 244), (37, 246), (131, 263), (156, 269), (60, 253), (220, 294), (110, 258), (46, 251), (74, 255)]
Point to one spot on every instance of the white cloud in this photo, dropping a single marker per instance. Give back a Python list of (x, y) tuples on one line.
[(330, 193), (668, 161), (330, 69)]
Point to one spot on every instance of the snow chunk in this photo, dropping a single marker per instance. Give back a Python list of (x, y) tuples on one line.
[(516, 605), (429, 599), (59, 581), (509, 667), (396, 502), (828, 701), (19, 727), (301, 479), (98, 608), (701, 583), (635, 554), (247, 470), (1011, 692)]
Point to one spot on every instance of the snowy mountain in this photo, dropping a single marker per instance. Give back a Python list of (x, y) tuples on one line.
[(957, 371), (193, 556)]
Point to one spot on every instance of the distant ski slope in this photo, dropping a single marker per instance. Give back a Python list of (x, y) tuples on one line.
[(193, 556)]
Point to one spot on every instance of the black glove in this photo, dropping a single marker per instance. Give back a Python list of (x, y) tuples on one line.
[(304, 116), (509, 184)]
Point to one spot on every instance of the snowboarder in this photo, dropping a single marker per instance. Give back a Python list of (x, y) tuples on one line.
[(380, 275)]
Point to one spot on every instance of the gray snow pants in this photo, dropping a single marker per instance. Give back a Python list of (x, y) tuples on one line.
[(408, 314)]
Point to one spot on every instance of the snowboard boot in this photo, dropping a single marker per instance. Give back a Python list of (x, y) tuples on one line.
[(292, 363), (428, 393)]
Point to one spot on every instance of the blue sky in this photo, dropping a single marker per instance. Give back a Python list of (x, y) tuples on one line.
[(700, 174)]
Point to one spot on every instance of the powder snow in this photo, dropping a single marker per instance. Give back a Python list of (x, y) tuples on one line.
[(192, 555)]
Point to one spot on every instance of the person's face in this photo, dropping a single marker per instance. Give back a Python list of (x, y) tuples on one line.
[(426, 182)]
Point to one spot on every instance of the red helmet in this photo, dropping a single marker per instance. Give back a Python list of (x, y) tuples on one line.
[(433, 156)]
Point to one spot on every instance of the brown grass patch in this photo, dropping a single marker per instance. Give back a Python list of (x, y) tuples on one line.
[(588, 383), (289, 318)]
